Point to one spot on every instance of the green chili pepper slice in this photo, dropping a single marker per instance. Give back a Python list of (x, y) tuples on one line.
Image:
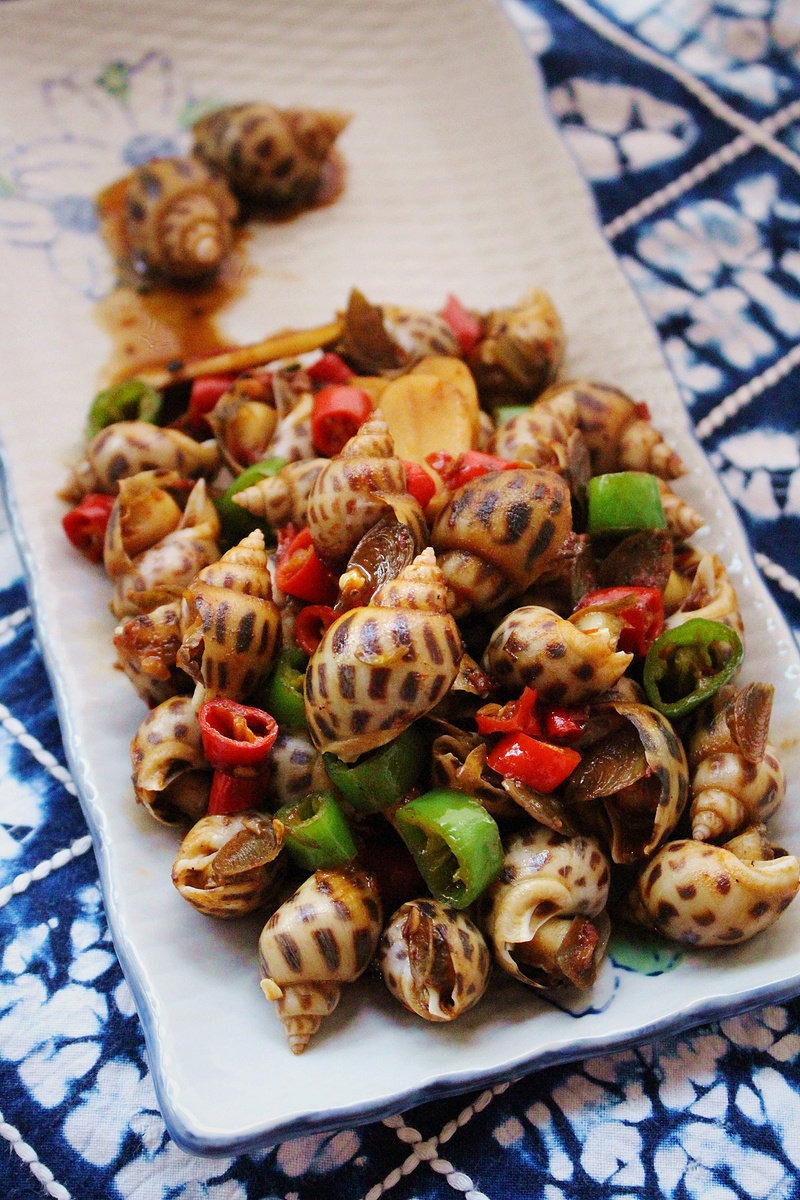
[(382, 777), (504, 413), (316, 832), (454, 842), (283, 691), (133, 400), (238, 522), (689, 663), (623, 501)]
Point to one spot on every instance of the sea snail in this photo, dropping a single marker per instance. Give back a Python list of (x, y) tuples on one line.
[(736, 776), (270, 157), (229, 864), (127, 447), (434, 960), (147, 651), (171, 775), (499, 533), (533, 647), (545, 914), (321, 937), (704, 895), (178, 219), (382, 665), (521, 349)]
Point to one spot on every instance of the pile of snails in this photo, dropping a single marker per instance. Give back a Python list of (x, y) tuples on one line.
[(448, 602), (179, 213)]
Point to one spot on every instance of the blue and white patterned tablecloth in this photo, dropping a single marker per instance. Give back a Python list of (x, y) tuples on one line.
[(684, 115)]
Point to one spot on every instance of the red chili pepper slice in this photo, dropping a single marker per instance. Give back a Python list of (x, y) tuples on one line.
[(204, 395), (466, 327), (301, 573), (233, 793), (339, 411), (540, 765), (565, 723), (310, 624), (85, 524), (641, 608), (235, 735), (329, 368), (469, 465), (518, 716), (419, 483)]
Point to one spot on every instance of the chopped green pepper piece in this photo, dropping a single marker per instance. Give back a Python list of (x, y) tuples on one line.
[(133, 400), (238, 522), (316, 832), (454, 842), (624, 501), (689, 663), (283, 692), (382, 777)]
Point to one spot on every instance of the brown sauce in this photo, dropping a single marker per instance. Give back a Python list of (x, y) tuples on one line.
[(150, 322)]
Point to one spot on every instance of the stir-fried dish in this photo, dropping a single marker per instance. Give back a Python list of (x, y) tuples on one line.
[(433, 673)]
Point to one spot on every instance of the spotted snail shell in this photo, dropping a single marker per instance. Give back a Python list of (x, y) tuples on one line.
[(178, 219), (539, 435), (128, 447), (386, 338), (283, 497), (355, 489), (701, 587), (154, 547), (499, 533), (703, 895), (171, 776), (147, 651), (434, 960), (683, 521), (228, 864), (230, 623), (269, 156), (533, 647), (736, 775), (321, 937), (632, 786), (296, 767), (381, 666), (617, 430), (521, 349), (545, 914)]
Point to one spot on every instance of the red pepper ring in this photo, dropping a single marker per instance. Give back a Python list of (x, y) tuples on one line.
[(310, 624), (85, 524), (301, 573), (236, 738), (234, 793), (540, 765), (339, 411)]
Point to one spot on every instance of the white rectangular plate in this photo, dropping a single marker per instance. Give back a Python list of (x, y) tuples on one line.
[(456, 182)]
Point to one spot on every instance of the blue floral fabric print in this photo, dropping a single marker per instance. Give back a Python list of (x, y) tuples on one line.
[(684, 119)]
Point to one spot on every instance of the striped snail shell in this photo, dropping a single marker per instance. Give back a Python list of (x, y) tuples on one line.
[(534, 647), (178, 219), (147, 651), (244, 419), (702, 895), (154, 547), (682, 520), (434, 960), (171, 776), (270, 156), (701, 587), (736, 775), (230, 623), (321, 937), (296, 767), (128, 447), (521, 349), (631, 786), (229, 864), (292, 438), (381, 666), (282, 498), (545, 913), (354, 489), (499, 533)]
